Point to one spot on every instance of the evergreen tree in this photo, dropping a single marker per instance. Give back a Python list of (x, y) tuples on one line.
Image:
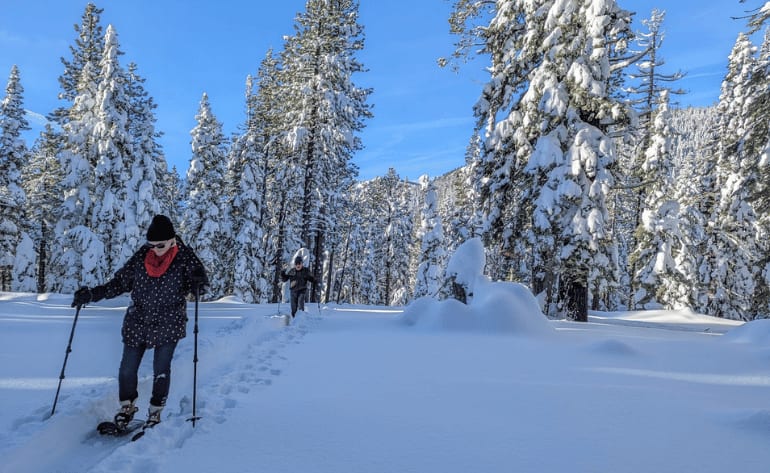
[(146, 189), (432, 255), (88, 49), (172, 194), (249, 168), (458, 203), (395, 277), (42, 184), (324, 111), (77, 253), (734, 248), (645, 85), (368, 291), (111, 219), (24, 266), (659, 236), (759, 16), (381, 232), (13, 157), (203, 220), (758, 142), (692, 149), (348, 269), (547, 113), (649, 81)]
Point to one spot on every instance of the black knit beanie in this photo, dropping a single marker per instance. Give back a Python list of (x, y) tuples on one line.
[(160, 229)]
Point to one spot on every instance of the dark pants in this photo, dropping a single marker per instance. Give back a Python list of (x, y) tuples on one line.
[(297, 301), (161, 367)]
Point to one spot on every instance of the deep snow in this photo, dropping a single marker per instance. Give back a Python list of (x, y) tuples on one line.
[(368, 389)]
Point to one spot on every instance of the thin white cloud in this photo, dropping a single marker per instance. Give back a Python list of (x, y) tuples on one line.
[(36, 119)]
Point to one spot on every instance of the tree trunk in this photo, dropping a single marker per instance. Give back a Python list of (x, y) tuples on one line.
[(278, 256), (42, 259), (344, 263), (575, 292), (329, 277), (317, 264)]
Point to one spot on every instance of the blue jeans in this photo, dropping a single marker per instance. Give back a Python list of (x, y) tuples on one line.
[(161, 367)]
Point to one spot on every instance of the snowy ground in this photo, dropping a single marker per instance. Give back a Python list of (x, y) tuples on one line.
[(366, 389)]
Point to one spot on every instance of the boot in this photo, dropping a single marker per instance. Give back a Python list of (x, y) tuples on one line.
[(125, 414), (153, 416)]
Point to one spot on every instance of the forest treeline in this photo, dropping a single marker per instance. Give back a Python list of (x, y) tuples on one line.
[(582, 178)]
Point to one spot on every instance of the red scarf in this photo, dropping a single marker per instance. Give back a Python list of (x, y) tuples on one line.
[(157, 265)]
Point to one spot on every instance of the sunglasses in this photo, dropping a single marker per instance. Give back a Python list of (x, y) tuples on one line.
[(159, 246)]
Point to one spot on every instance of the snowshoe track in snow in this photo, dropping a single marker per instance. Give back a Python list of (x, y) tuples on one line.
[(237, 361)]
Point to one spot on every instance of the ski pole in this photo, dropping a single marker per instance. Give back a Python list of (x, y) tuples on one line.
[(195, 357), (66, 356)]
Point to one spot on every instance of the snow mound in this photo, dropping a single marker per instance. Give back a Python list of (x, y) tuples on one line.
[(497, 307), (467, 263), (754, 332)]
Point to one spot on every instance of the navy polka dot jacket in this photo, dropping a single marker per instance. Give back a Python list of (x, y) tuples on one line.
[(157, 314)]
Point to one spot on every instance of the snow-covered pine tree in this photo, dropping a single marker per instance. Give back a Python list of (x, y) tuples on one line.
[(42, 184), (172, 194), (364, 261), (692, 151), (430, 269), (77, 252), (649, 80), (500, 184), (88, 48), (324, 110), (347, 269), (396, 279), (658, 236), (13, 157), (281, 221), (24, 266), (75, 249), (111, 219), (146, 190), (366, 289), (468, 191), (759, 16), (547, 113), (758, 109), (248, 170), (643, 88), (203, 219), (457, 199), (758, 142), (284, 216), (378, 268), (733, 247)]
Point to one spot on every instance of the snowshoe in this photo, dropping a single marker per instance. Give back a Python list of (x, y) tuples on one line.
[(112, 429)]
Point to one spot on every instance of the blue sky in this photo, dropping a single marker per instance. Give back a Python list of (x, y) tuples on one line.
[(423, 116)]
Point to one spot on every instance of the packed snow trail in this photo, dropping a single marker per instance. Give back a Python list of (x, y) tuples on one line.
[(242, 355)]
